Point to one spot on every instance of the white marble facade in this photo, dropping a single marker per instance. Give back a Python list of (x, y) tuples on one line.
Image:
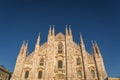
[(60, 58)]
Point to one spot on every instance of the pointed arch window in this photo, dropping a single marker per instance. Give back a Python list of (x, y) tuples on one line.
[(42, 62), (78, 61), (92, 73), (79, 73), (39, 74), (60, 47), (26, 74), (60, 64)]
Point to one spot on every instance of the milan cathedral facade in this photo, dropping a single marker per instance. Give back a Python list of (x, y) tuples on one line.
[(59, 58)]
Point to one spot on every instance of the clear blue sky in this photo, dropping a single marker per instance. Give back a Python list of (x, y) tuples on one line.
[(96, 19)]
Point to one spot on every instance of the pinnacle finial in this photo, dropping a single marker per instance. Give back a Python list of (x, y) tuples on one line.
[(26, 47), (81, 39), (67, 30), (22, 47), (50, 30), (82, 43), (96, 43), (53, 31), (23, 42), (92, 43), (38, 39), (26, 44), (97, 48), (93, 47), (70, 31), (37, 43)]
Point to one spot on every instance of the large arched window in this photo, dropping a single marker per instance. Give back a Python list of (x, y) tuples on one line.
[(42, 62), (78, 61), (59, 64), (26, 74), (60, 45), (92, 73), (39, 74), (79, 73)]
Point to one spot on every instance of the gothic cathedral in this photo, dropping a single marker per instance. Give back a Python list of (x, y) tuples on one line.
[(60, 58)]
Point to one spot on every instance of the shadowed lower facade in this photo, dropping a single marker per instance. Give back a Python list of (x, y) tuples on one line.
[(60, 58)]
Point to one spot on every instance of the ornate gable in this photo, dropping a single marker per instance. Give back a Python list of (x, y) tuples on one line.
[(60, 36), (29, 59)]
